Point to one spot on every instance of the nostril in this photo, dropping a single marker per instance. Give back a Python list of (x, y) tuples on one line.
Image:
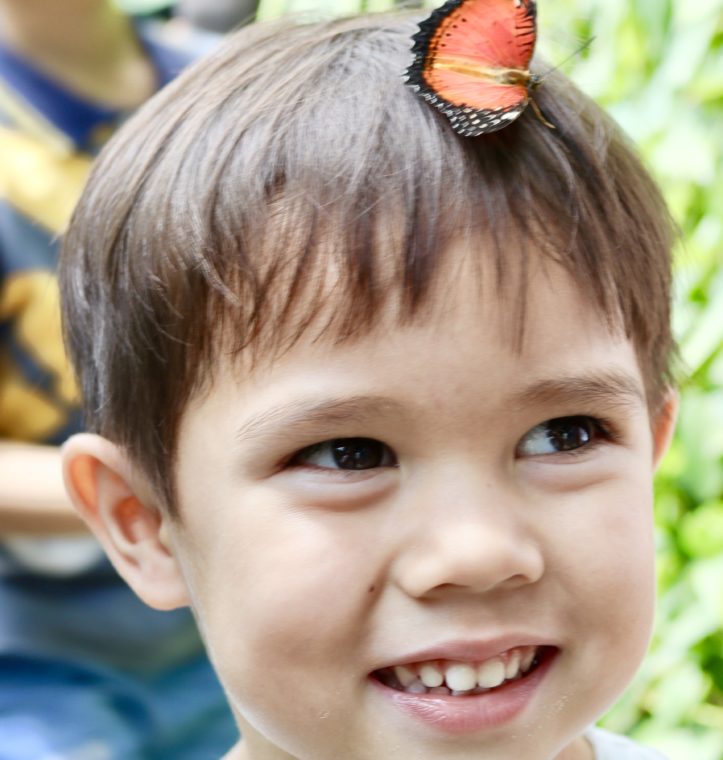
[(468, 557)]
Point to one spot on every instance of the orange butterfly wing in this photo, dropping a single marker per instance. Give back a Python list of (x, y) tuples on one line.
[(471, 60)]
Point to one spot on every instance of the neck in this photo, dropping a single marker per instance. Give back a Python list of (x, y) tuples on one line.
[(89, 45)]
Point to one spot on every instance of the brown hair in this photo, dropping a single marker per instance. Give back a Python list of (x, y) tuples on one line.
[(292, 175)]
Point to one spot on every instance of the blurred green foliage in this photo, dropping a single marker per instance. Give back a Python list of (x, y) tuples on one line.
[(657, 66)]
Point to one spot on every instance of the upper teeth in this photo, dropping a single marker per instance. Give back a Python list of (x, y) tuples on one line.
[(466, 676)]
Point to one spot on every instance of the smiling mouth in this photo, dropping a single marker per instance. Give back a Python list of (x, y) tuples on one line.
[(465, 678)]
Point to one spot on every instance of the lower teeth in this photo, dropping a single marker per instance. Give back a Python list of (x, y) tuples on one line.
[(419, 688)]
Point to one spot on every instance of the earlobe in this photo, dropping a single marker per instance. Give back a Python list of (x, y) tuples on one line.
[(118, 506), (664, 425)]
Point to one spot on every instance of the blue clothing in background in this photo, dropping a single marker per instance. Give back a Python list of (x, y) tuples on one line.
[(87, 671)]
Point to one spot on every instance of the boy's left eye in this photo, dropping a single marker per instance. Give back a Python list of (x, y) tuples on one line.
[(562, 434), (346, 454)]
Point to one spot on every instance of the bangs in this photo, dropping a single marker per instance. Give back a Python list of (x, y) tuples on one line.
[(293, 183)]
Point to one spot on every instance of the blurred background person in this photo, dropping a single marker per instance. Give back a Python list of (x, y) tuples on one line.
[(71, 685)]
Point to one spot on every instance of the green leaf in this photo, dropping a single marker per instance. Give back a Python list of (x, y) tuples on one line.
[(701, 535)]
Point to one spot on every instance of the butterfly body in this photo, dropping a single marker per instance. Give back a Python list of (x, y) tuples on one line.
[(471, 61)]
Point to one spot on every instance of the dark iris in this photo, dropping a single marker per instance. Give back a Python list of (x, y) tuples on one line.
[(568, 433), (358, 453)]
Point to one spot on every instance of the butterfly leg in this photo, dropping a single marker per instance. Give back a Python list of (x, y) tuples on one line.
[(539, 114)]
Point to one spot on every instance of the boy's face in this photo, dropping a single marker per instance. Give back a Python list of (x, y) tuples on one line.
[(429, 499)]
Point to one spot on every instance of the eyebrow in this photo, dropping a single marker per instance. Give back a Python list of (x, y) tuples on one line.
[(610, 389), (300, 414), (614, 388)]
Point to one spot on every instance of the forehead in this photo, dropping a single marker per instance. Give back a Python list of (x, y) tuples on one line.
[(336, 285)]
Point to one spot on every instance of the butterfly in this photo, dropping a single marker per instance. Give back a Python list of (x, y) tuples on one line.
[(471, 61)]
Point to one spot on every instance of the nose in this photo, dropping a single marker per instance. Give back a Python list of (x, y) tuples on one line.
[(467, 542)]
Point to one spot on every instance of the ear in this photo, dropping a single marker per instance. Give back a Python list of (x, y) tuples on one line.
[(663, 425), (117, 503)]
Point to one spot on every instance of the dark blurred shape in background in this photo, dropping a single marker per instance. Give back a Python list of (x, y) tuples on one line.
[(217, 15)]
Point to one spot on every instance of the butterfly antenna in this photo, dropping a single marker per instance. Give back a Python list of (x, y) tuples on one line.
[(585, 45), (541, 78)]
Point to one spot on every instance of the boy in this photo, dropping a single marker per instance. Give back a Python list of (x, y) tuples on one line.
[(380, 403)]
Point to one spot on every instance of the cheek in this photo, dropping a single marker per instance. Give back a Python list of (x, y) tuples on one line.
[(283, 603), (280, 592), (609, 572), (623, 550)]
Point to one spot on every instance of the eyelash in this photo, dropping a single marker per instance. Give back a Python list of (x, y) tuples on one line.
[(601, 431), (338, 443)]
